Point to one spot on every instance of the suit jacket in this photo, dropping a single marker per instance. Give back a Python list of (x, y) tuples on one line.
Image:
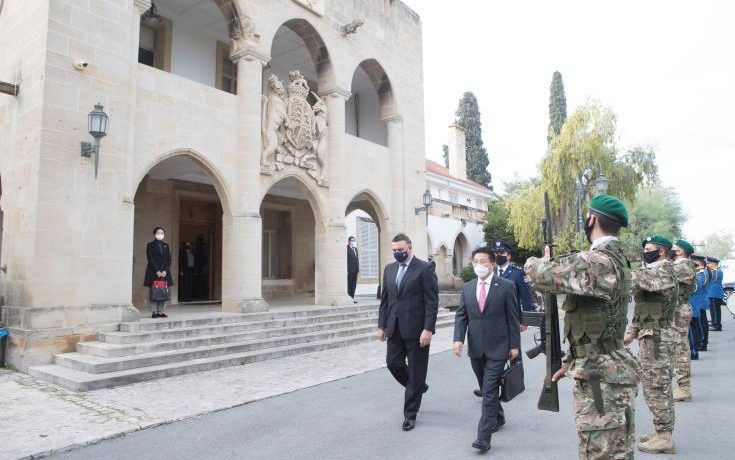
[(353, 262), (494, 331), (515, 273), (414, 305), (158, 254)]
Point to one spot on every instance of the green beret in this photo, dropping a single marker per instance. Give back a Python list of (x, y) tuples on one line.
[(659, 240), (685, 245), (611, 207)]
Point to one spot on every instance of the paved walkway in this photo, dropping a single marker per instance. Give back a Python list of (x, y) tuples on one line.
[(39, 418)]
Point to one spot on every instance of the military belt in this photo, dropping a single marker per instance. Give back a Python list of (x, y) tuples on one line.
[(602, 347)]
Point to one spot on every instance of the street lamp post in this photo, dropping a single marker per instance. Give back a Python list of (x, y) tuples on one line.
[(426, 199)]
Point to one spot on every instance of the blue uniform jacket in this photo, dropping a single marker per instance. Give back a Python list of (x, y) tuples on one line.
[(714, 288), (515, 273), (699, 299)]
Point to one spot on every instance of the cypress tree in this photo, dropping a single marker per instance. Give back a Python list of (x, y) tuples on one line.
[(557, 106), (468, 117), (445, 155)]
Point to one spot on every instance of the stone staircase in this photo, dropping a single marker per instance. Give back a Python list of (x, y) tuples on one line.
[(153, 349)]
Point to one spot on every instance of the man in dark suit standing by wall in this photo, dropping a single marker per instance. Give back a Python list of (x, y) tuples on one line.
[(353, 267), (408, 307), (489, 314)]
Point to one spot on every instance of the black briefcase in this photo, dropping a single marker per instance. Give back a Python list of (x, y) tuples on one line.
[(511, 380)]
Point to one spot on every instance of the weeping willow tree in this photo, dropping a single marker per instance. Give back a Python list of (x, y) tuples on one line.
[(584, 149)]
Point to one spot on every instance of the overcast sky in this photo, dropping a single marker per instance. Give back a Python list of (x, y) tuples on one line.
[(666, 68)]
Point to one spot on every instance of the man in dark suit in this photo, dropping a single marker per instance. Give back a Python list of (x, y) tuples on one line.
[(353, 267), (488, 313), (408, 307)]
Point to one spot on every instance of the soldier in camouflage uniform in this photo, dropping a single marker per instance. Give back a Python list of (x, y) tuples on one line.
[(656, 295), (606, 375), (686, 275)]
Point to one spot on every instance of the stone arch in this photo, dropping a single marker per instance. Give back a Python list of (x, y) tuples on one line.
[(184, 192), (219, 181), (460, 252), (307, 184), (382, 85), (371, 103), (378, 212), (315, 47)]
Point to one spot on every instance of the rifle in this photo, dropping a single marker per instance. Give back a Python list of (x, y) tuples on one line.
[(550, 342)]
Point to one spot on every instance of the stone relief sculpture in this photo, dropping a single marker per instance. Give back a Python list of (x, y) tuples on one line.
[(294, 132)]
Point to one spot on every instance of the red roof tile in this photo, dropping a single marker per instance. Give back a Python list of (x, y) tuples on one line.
[(436, 168)]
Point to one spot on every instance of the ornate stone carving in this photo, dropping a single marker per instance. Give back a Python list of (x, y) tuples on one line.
[(294, 132), (242, 29)]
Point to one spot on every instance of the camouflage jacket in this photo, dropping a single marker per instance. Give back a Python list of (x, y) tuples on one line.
[(686, 274), (586, 273), (656, 294)]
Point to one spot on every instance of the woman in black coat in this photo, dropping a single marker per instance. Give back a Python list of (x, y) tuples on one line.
[(158, 254)]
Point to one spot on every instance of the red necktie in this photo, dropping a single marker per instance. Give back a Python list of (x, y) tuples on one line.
[(482, 297)]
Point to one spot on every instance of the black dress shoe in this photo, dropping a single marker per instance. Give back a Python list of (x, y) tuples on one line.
[(162, 315), (408, 424), (497, 426), (695, 356), (481, 445), (154, 315), (477, 393)]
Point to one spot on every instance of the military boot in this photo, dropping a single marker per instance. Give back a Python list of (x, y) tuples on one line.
[(648, 437), (661, 443), (682, 394)]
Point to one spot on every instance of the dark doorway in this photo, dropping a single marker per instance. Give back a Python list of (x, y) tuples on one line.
[(200, 251)]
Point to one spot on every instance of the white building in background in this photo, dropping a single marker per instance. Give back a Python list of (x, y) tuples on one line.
[(456, 216)]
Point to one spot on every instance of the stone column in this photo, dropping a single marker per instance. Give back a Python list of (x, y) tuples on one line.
[(398, 174), (242, 229), (331, 241)]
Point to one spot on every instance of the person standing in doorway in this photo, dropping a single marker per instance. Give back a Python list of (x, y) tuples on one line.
[(353, 267), (186, 273), (407, 318), (488, 316), (158, 254)]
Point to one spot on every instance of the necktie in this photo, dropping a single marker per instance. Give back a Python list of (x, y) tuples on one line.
[(482, 297), (500, 272), (401, 272)]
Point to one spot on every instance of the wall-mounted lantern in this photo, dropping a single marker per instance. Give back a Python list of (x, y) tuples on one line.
[(97, 126)]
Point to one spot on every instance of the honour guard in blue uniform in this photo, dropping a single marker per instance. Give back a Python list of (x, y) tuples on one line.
[(699, 302), (715, 293)]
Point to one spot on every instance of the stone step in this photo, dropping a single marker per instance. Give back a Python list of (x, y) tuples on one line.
[(82, 381), (112, 350), (99, 365), (150, 324), (122, 337)]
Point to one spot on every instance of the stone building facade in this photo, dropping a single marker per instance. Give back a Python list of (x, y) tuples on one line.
[(247, 128)]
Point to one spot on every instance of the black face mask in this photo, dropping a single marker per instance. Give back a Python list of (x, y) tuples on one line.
[(650, 257), (588, 230), (501, 260), (672, 254)]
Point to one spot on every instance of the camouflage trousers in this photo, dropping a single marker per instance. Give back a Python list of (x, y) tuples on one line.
[(682, 357), (654, 353), (611, 434)]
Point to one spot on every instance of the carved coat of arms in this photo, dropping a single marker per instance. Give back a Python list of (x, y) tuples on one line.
[(294, 132)]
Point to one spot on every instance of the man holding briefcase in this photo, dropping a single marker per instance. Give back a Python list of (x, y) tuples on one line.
[(488, 314)]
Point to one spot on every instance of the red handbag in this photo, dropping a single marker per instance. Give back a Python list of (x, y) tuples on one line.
[(160, 284)]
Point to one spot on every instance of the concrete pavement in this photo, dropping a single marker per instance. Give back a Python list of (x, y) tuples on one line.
[(356, 417)]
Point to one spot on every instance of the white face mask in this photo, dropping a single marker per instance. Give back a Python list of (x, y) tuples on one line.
[(159, 236), (481, 271), (353, 244)]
